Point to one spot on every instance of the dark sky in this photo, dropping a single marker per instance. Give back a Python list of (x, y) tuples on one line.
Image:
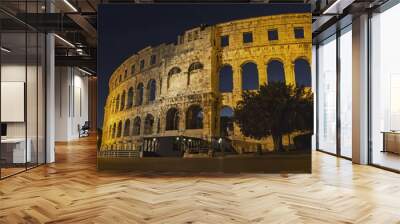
[(126, 29)]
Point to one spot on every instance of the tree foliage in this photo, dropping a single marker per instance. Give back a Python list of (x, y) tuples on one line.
[(274, 110)]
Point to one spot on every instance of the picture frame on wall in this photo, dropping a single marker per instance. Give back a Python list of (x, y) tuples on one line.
[(191, 89)]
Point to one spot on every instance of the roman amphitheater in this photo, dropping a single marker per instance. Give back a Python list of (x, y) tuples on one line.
[(189, 88)]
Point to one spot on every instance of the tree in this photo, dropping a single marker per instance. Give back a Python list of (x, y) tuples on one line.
[(274, 110)]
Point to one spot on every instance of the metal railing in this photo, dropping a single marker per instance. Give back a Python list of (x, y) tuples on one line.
[(119, 153)]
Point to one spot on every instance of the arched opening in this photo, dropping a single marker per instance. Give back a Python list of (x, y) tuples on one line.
[(172, 71), (116, 105), (151, 89), (139, 94), (249, 76), (114, 130), (172, 119), (127, 127), (121, 108), (130, 98), (194, 117), (226, 121), (111, 105), (275, 71), (119, 130), (110, 134), (302, 71), (225, 79), (148, 124), (136, 126), (194, 67)]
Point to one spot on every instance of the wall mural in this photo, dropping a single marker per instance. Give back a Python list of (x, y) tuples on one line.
[(232, 96)]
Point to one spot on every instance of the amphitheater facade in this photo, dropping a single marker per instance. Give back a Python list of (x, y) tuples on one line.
[(189, 88)]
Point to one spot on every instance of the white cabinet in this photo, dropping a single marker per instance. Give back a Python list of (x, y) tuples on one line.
[(17, 146)]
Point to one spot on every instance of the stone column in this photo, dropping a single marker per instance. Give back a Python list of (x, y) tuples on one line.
[(262, 71), (289, 71), (237, 79)]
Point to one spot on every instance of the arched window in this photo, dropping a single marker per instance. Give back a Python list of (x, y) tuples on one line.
[(172, 71), (275, 71), (172, 119), (121, 108), (110, 135), (151, 89), (194, 117), (130, 98), (111, 105), (148, 124), (225, 79), (139, 94), (116, 106), (127, 127), (136, 126), (249, 76), (302, 73), (113, 130), (195, 66), (226, 121), (119, 130)]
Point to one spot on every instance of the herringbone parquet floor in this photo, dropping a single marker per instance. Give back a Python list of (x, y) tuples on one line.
[(72, 191)]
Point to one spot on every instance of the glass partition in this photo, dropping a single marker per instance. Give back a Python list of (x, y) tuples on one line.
[(346, 92), (22, 88), (327, 95), (385, 89)]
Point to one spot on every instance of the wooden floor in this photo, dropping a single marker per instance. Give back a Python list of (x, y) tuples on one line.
[(72, 191)]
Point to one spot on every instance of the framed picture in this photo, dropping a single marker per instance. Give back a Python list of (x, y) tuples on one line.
[(205, 87)]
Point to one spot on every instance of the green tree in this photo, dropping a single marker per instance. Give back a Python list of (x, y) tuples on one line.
[(274, 110)]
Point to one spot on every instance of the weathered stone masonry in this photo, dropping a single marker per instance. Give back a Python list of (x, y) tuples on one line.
[(174, 89)]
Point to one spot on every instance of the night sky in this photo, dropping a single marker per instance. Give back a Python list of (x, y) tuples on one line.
[(125, 29)]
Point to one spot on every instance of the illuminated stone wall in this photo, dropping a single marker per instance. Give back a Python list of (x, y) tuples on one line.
[(187, 74)]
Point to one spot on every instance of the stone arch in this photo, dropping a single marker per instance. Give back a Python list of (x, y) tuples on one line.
[(127, 126), (136, 126), (130, 98), (122, 105), (225, 78), (151, 90), (194, 117), (226, 120), (116, 105), (250, 79), (172, 71), (302, 71), (193, 67), (119, 129), (139, 94), (110, 132), (148, 124), (113, 130), (275, 71), (172, 119)]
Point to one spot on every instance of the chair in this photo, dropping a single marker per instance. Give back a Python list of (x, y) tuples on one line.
[(84, 130)]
